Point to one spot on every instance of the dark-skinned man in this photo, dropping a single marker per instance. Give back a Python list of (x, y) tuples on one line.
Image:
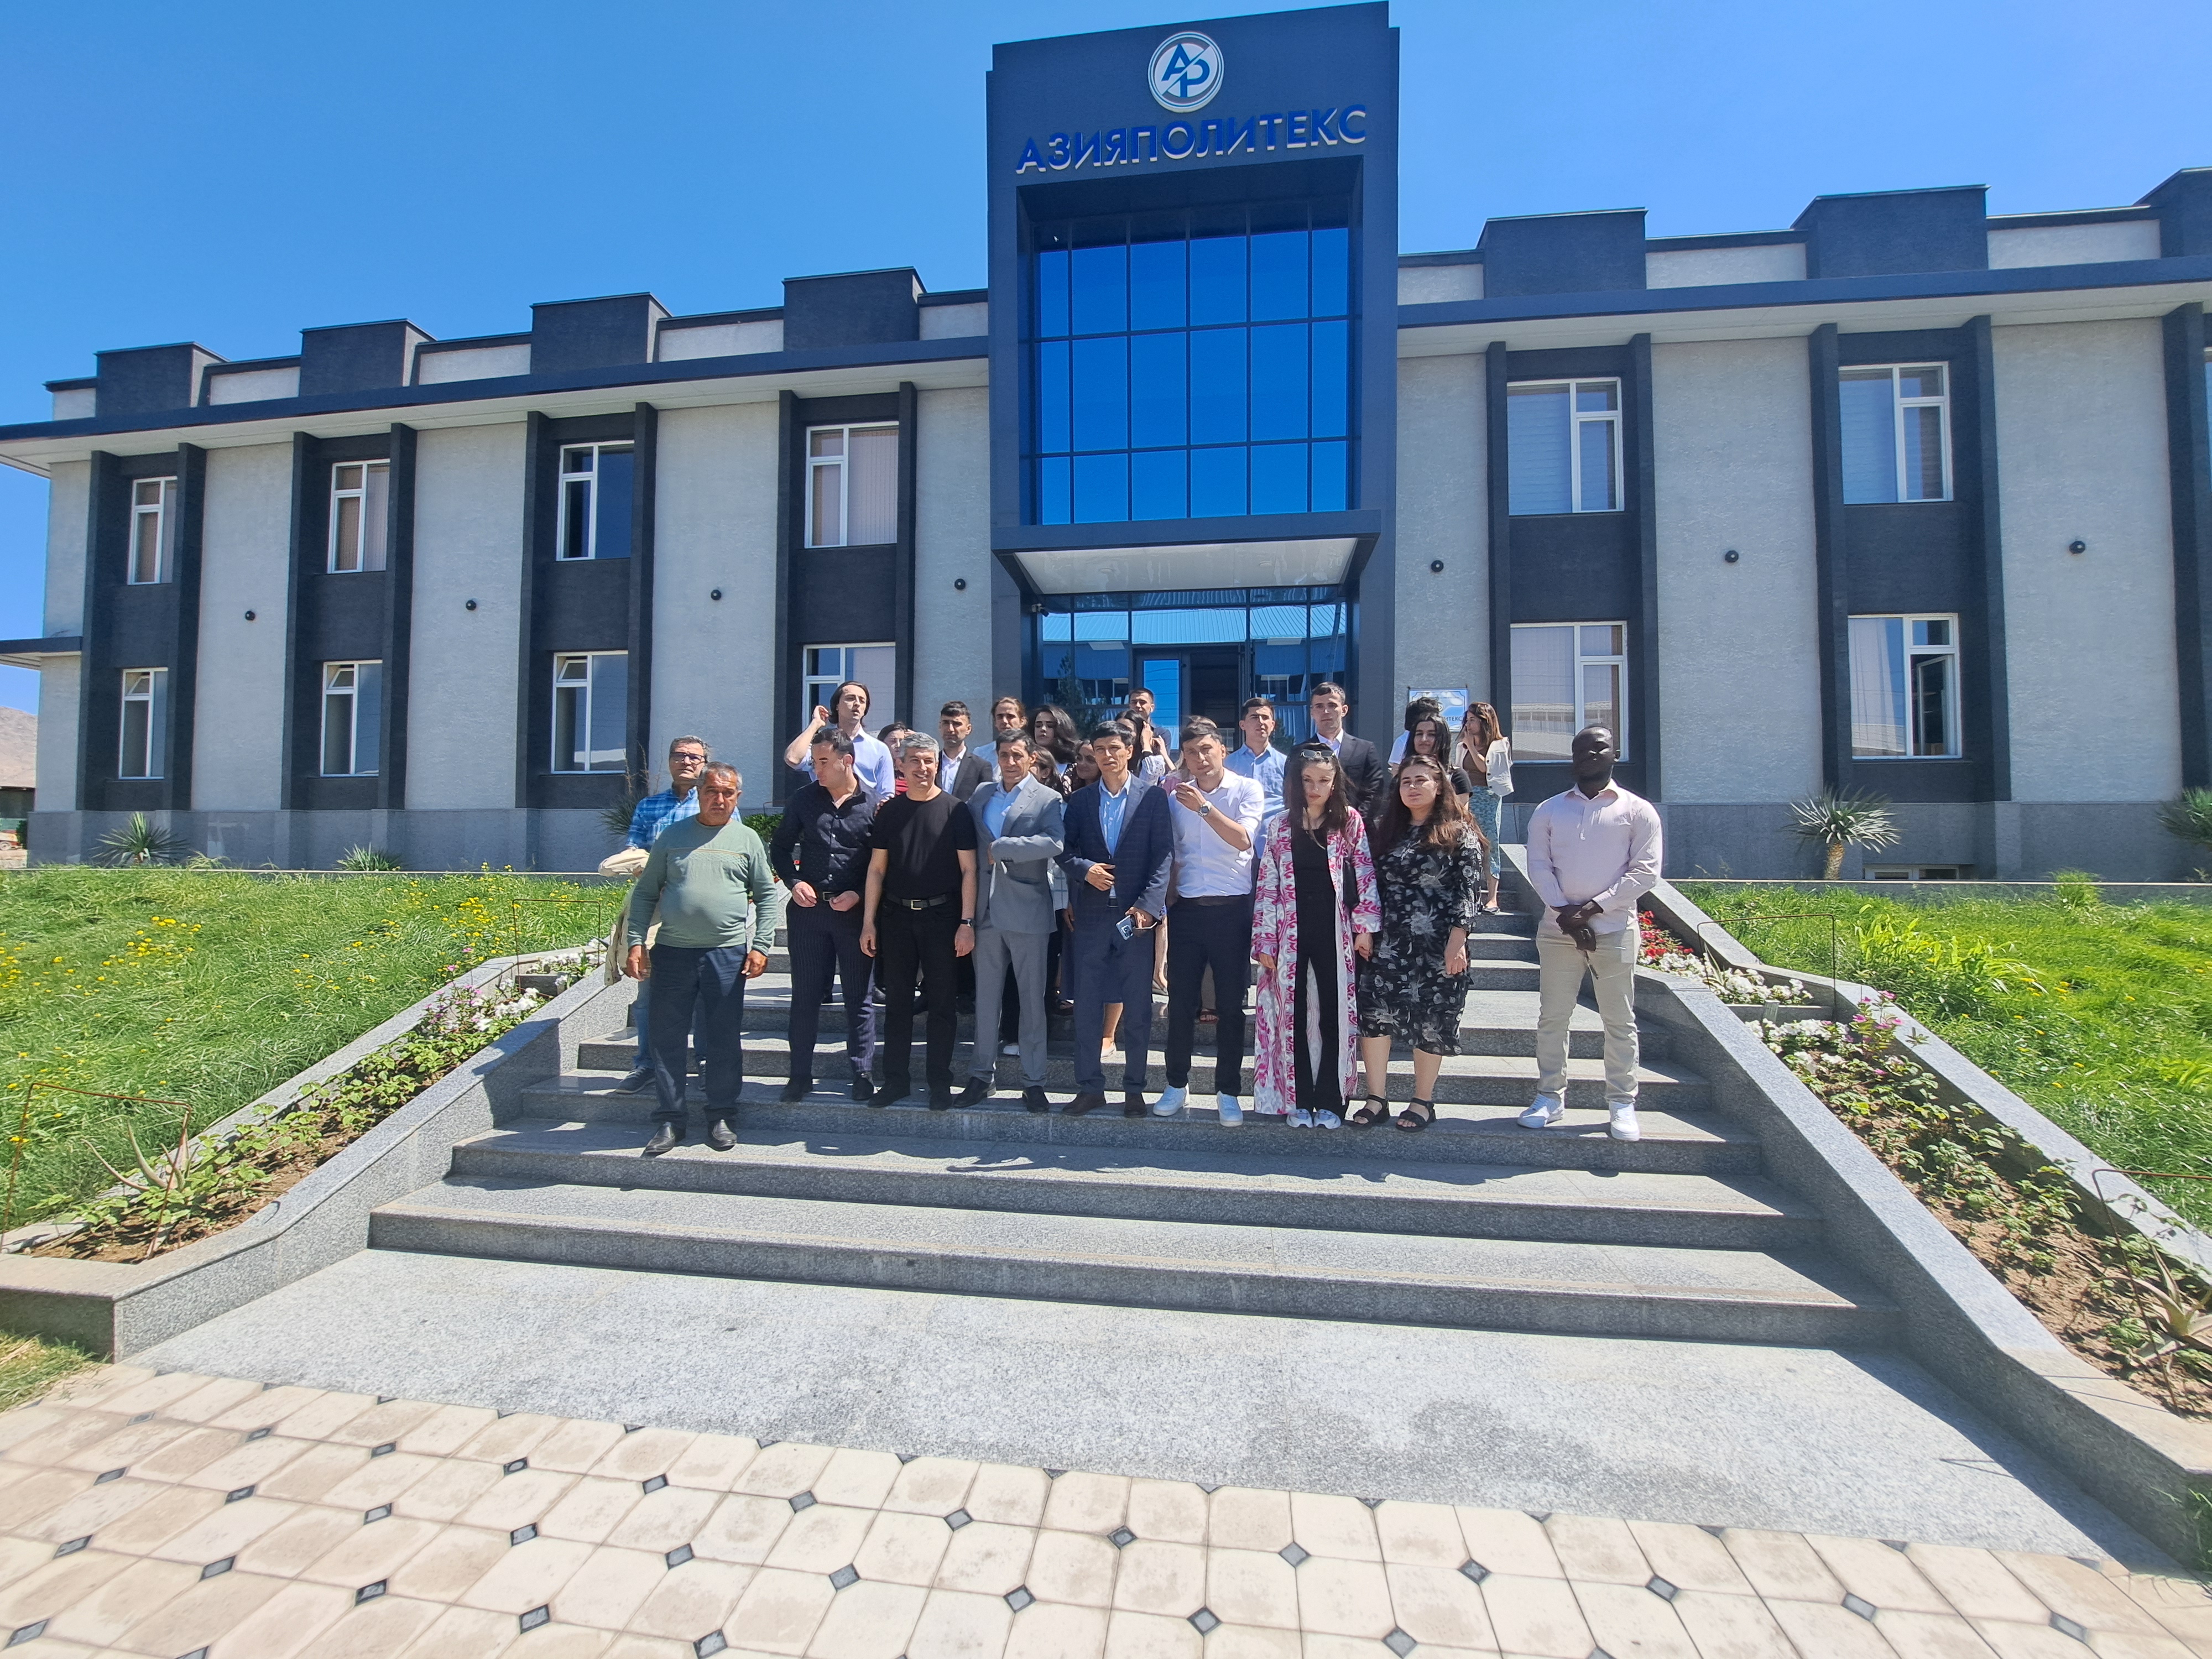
[(718, 901), (1594, 850)]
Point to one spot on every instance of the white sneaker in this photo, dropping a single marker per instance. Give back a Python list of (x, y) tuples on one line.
[(1171, 1100), (1011, 1051), (1624, 1125), (1327, 1120), (1301, 1118), (1544, 1112), (1231, 1112)]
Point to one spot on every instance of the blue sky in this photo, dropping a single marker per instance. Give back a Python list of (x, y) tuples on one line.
[(233, 171)]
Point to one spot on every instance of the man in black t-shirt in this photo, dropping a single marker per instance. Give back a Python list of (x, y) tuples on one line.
[(918, 920)]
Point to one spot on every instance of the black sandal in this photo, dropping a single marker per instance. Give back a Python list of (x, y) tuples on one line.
[(1417, 1116), (1377, 1110)]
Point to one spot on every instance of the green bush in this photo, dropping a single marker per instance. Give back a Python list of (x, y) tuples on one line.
[(1953, 978), (763, 824)]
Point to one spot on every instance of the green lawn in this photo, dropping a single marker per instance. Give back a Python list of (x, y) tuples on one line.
[(210, 988), (2099, 1014)]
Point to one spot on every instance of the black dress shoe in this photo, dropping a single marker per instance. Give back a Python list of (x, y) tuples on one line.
[(940, 1100), (1082, 1104), (720, 1136), (663, 1138), (977, 1091), (1033, 1098), (794, 1091), (891, 1091), (1132, 1103), (864, 1088)]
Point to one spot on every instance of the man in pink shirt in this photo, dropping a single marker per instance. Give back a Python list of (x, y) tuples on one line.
[(1593, 851)]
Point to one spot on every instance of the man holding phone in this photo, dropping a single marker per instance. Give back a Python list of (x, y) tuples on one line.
[(1120, 845)]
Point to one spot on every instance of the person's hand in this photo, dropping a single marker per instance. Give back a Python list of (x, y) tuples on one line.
[(1267, 963), (867, 939), (820, 715), (1068, 920), (1456, 956), (802, 893), (756, 964), (963, 938), (639, 965), (844, 901), (1363, 942), (1144, 919), (1185, 794), (1100, 876)]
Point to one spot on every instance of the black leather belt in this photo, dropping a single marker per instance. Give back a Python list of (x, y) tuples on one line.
[(921, 904), (1212, 898)]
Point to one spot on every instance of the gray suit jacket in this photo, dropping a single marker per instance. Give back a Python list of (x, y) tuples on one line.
[(1014, 894)]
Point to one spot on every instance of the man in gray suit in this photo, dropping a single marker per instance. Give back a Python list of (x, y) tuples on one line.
[(1018, 836)]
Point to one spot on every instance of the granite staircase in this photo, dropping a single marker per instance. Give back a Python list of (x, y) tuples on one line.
[(1475, 1222)]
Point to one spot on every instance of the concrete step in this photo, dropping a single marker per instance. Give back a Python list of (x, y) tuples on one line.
[(1212, 1185), (1673, 1143), (1466, 1079), (1624, 1290)]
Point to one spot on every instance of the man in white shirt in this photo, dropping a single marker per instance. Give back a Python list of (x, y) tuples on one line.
[(1593, 851), (960, 773), (872, 760), (1216, 818)]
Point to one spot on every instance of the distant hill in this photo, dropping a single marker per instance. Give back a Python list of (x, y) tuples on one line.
[(18, 749)]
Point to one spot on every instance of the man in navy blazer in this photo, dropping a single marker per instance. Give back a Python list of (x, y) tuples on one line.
[(1119, 844)]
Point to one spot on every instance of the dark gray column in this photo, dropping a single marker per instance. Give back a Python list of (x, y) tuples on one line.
[(1991, 688), (1833, 599), (1643, 481), (399, 618), (2189, 462), (1500, 504), (646, 470)]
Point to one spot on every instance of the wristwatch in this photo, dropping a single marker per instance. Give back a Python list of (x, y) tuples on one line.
[(1204, 807), (966, 921)]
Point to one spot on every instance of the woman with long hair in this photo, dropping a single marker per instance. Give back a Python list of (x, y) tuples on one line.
[(1429, 735), (1314, 909), (1488, 758), (1429, 864), (1052, 730)]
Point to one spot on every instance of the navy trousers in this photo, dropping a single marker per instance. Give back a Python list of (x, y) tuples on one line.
[(712, 983), (823, 942), (1109, 968)]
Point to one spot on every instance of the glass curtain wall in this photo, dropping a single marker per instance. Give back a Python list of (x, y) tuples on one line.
[(1192, 363), (1291, 640)]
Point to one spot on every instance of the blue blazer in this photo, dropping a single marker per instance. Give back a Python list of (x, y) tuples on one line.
[(1140, 860)]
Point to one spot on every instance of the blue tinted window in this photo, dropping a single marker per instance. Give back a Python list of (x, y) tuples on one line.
[(1102, 489), (1217, 483), (1052, 398), (1332, 380), (1332, 273), (1279, 382), (1278, 274), (1331, 476), (616, 473), (1101, 393), (1217, 280), (1218, 394), (1051, 293), (1099, 288), (1159, 392), (1157, 285), (1053, 503), (1278, 478), (1160, 483)]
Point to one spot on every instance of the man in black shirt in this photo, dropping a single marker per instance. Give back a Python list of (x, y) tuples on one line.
[(920, 918), (821, 855)]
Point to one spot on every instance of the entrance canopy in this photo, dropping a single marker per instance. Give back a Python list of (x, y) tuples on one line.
[(1317, 561)]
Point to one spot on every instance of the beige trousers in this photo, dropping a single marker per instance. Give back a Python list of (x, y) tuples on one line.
[(1561, 967)]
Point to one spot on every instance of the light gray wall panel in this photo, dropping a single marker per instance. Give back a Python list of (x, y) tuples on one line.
[(238, 743), (57, 717), (714, 526), (1739, 668), (67, 497), (1443, 621), (2082, 440), (468, 545), (952, 541), (1703, 267)]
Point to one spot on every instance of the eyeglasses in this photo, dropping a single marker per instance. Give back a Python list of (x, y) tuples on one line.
[(688, 755)]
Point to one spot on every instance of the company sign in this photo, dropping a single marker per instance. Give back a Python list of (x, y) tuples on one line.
[(1186, 72)]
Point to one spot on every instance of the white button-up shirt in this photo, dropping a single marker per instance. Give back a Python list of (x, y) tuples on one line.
[(1605, 847), (1205, 865)]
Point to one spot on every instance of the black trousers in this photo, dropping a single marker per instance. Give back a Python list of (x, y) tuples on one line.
[(1317, 1079), (712, 983), (824, 944), (915, 948), (1202, 936)]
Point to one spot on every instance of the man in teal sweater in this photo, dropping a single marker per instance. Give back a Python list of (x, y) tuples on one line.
[(710, 879)]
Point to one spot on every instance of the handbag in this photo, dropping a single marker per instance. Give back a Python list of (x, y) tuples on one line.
[(1500, 764)]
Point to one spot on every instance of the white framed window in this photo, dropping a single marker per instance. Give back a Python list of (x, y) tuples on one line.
[(597, 483), (851, 485), (1897, 433), (829, 666), (1905, 688), (359, 494), (591, 711), (153, 531), (353, 718), (145, 717), (1567, 676), (1563, 447)]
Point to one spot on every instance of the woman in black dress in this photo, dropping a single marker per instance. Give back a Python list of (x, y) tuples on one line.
[(1429, 860)]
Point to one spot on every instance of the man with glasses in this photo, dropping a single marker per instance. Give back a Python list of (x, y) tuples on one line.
[(687, 759), (709, 877)]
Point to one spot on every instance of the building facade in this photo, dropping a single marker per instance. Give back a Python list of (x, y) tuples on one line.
[(1905, 498)]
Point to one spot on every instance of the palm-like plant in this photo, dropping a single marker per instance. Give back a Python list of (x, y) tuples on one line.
[(1837, 822), (2190, 818), (140, 841), (368, 858)]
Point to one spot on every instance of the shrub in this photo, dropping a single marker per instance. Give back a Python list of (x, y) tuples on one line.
[(368, 858), (1835, 823), (763, 824), (2190, 818), (140, 841), (1950, 978), (2077, 889)]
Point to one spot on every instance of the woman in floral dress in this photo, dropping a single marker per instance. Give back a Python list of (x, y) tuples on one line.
[(1306, 929), (1429, 859)]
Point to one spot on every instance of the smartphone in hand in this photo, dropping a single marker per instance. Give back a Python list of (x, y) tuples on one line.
[(1126, 927)]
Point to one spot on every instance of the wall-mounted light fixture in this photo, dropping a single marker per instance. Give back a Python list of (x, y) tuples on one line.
[(1731, 556), (2077, 547), (471, 605), (249, 616), (1436, 567), (960, 584), (716, 594)]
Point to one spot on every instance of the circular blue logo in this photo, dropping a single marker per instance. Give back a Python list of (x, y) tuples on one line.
[(1186, 72)]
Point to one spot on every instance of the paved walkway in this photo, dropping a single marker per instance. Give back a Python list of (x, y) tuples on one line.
[(174, 1514)]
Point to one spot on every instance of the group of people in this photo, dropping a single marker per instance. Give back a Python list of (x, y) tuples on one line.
[(1045, 870)]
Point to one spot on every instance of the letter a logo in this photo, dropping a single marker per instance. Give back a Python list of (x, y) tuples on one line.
[(1186, 72)]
